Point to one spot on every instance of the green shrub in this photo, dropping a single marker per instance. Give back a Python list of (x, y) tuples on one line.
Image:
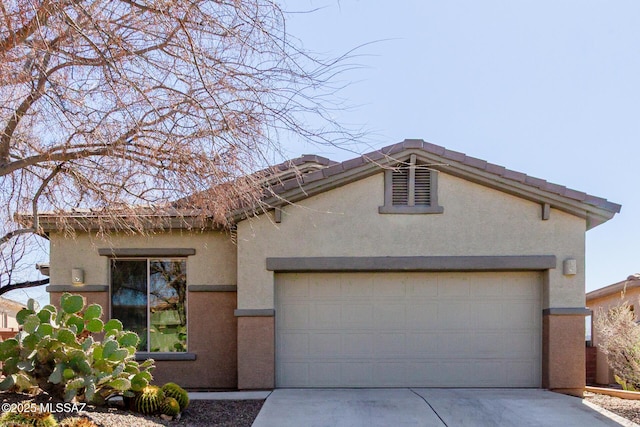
[(57, 351), (178, 393)]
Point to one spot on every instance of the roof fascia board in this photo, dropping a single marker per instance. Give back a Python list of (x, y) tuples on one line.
[(592, 214)]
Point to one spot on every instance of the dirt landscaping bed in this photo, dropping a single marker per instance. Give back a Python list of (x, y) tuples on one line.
[(626, 408), (228, 413)]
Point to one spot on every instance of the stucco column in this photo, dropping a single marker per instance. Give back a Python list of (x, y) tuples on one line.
[(563, 350), (256, 349)]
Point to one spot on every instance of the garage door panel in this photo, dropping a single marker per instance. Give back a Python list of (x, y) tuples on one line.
[(519, 345), (522, 373), (493, 289), (408, 329), (324, 374), (488, 344), (295, 285), (489, 315), (382, 287), (390, 374), (295, 316), (325, 316), (357, 344), (448, 288), (358, 374), (422, 316), (295, 344), (294, 373), (454, 315), (326, 345), (420, 344), (390, 316), (520, 316), (353, 287), (390, 344)]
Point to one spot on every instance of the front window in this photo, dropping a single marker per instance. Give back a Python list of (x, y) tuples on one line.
[(149, 297)]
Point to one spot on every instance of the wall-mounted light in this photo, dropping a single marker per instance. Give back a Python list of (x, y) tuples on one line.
[(569, 267), (77, 276)]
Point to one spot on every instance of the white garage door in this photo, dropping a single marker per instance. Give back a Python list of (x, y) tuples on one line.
[(408, 329)]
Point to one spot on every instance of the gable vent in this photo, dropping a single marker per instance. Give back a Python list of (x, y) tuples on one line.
[(400, 187), (422, 187), (411, 188)]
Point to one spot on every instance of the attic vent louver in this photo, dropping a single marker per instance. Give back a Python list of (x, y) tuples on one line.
[(411, 188)]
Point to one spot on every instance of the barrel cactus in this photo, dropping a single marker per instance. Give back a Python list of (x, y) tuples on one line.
[(28, 419), (149, 400), (178, 393), (170, 407), (77, 422)]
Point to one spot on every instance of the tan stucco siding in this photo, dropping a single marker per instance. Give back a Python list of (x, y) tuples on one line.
[(214, 262), (346, 222)]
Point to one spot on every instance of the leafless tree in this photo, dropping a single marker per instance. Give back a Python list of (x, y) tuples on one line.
[(123, 106)]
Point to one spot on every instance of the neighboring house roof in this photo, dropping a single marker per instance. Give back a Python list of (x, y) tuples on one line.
[(11, 304), (632, 281), (297, 179)]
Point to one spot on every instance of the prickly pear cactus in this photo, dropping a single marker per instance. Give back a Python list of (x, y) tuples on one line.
[(56, 351), (170, 407), (149, 400), (178, 393)]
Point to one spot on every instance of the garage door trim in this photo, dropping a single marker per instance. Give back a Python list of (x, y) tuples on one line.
[(412, 263)]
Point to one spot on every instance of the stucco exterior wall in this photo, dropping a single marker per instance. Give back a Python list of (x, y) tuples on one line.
[(211, 327), (346, 222), (600, 306), (213, 264)]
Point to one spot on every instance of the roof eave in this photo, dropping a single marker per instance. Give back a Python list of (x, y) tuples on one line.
[(372, 163)]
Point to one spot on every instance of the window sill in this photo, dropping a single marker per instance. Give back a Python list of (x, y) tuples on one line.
[(144, 355), (410, 209)]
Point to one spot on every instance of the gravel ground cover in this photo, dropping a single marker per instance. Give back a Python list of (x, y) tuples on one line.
[(227, 413), (626, 408)]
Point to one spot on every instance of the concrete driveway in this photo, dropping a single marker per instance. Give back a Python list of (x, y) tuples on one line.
[(427, 407)]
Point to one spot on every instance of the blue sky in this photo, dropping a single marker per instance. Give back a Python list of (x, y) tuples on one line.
[(548, 88)]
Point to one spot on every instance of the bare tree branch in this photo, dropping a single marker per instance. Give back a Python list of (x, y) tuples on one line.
[(23, 285), (125, 106)]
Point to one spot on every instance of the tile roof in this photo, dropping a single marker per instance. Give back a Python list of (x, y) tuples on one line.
[(452, 156)]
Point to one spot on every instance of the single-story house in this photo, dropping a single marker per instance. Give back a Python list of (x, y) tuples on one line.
[(600, 301), (8, 324), (412, 266)]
